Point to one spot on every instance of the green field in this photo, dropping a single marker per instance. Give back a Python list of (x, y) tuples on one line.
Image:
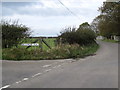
[(50, 41)]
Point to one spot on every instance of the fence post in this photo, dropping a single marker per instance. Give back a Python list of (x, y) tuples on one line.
[(55, 42), (40, 45), (60, 41)]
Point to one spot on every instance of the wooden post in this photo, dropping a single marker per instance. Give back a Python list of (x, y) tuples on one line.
[(55, 42), (60, 41), (40, 45)]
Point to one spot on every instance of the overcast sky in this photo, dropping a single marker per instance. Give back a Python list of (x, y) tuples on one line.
[(48, 17)]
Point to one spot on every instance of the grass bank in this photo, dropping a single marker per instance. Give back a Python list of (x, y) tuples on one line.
[(58, 52), (109, 40)]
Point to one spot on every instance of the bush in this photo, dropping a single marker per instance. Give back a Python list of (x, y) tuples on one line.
[(82, 36), (13, 33), (85, 37)]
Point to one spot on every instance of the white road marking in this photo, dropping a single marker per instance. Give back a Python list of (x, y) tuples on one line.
[(58, 65), (25, 79), (4, 87), (46, 66), (18, 82), (48, 70), (36, 74)]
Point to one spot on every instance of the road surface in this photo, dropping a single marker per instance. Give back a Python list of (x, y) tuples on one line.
[(98, 71)]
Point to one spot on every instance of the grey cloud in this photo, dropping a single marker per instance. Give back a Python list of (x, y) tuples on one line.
[(14, 5), (45, 12), (10, 8), (18, 8)]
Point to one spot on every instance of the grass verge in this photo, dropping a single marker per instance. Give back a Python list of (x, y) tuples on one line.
[(59, 52), (109, 40), (0, 54)]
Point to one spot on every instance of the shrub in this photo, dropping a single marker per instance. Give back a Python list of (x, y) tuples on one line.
[(86, 36), (82, 36), (13, 33)]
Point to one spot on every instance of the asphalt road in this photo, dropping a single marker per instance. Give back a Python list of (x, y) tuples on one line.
[(98, 71)]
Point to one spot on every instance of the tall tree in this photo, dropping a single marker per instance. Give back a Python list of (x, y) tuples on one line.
[(111, 12), (108, 22), (94, 24)]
